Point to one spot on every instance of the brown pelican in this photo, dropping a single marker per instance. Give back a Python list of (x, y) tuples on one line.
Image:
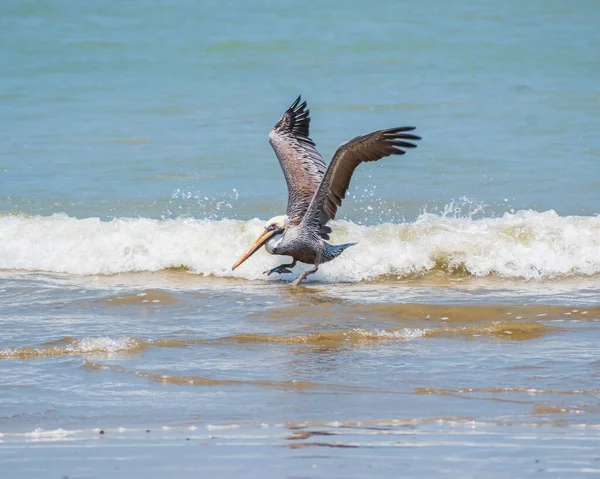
[(314, 190)]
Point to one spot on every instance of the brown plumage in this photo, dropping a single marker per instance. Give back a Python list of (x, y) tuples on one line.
[(315, 191), (302, 165), (370, 147)]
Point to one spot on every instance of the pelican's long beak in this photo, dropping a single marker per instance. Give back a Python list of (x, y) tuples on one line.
[(262, 239)]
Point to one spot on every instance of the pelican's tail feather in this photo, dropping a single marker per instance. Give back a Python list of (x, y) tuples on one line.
[(334, 250)]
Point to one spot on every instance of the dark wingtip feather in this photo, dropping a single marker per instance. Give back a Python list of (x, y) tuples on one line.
[(410, 137), (295, 104), (398, 133), (400, 129), (398, 151), (404, 144), (296, 121)]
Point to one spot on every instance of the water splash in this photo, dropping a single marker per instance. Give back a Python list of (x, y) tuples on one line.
[(192, 202), (526, 245)]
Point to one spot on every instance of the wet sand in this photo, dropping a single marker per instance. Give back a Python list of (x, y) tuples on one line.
[(420, 448)]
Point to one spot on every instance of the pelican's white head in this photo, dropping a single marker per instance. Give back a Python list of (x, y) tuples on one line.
[(270, 237), (279, 225)]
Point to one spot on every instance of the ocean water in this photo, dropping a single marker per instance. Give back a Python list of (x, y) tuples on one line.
[(457, 339)]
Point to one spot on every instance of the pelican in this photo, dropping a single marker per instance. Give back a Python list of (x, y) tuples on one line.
[(315, 191)]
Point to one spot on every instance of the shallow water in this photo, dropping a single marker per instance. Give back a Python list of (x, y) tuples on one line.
[(458, 338), (489, 377)]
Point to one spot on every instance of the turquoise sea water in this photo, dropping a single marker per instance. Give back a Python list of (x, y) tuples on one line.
[(111, 109), (135, 169)]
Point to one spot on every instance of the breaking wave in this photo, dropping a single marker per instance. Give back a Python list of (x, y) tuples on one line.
[(525, 245)]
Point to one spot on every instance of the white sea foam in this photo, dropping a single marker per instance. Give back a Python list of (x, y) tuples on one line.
[(104, 345), (101, 345), (526, 244), (405, 333)]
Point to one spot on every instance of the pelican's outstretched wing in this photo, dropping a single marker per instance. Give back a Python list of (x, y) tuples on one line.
[(300, 161), (370, 147)]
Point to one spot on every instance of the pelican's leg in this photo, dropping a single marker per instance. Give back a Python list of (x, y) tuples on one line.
[(282, 268), (303, 276)]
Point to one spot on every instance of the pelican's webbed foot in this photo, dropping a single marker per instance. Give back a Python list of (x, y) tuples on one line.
[(281, 269)]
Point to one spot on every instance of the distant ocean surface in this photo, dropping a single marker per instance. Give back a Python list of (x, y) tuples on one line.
[(135, 169)]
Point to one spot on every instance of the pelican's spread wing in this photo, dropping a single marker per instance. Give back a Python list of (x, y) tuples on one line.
[(302, 164), (369, 147)]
